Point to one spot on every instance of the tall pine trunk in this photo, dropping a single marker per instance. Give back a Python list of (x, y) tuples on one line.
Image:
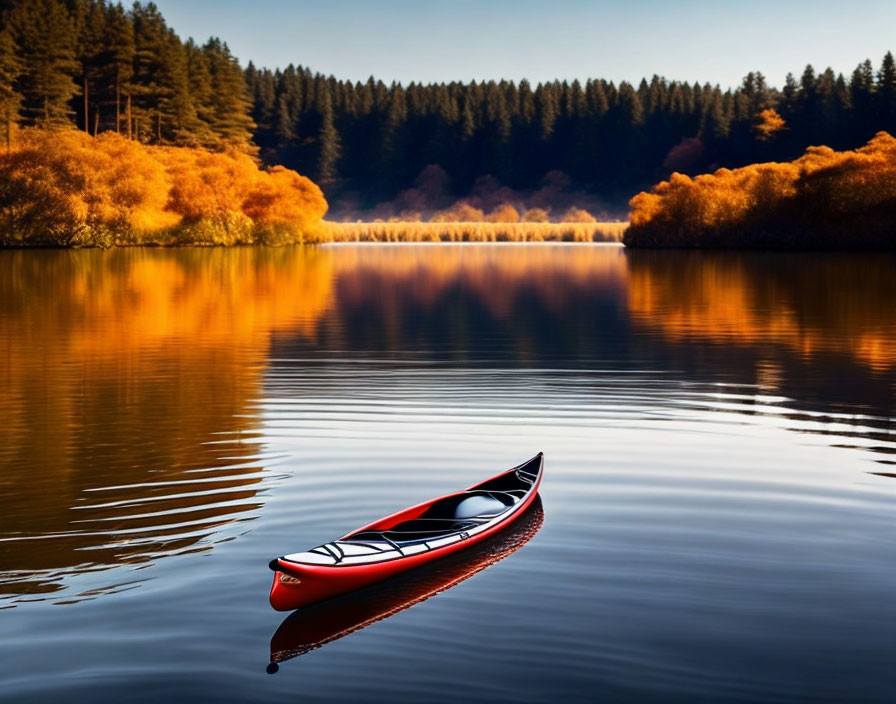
[(117, 100), (86, 111)]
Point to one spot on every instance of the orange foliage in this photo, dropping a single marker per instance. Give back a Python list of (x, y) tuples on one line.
[(459, 212), (578, 215), (768, 123), (67, 188), (536, 215), (504, 213), (824, 199)]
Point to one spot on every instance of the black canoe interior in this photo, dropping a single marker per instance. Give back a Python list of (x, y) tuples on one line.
[(440, 519)]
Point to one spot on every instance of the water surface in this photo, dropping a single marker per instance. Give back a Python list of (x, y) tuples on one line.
[(719, 502)]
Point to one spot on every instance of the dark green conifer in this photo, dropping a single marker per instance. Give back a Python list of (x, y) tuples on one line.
[(229, 102), (327, 139), (10, 98), (45, 38), (121, 49), (886, 92)]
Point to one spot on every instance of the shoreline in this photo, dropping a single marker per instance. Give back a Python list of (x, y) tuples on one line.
[(451, 233)]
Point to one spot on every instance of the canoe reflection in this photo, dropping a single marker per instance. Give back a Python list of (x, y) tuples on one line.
[(312, 627)]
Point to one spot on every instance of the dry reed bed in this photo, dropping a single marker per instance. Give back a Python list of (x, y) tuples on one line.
[(477, 231)]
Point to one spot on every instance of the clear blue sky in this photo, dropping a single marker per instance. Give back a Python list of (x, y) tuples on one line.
[(440, 40)]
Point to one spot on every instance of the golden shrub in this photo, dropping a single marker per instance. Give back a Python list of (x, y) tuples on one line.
[(67, 188), (459, 212), (536, 215), (504, 213), (824, 199), (578, 215)]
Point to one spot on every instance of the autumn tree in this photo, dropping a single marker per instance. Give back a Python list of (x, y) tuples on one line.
[(768, 123)]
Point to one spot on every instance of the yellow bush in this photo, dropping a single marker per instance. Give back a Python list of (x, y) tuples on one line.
[(459, 212), (824, 199), (504, 213), (536, 215), (578, 215), (67, 188)]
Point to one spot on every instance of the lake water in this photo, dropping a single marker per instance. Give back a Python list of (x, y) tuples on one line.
[(718, 517)]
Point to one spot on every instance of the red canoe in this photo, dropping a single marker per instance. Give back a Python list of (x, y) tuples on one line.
[(406, 539), (318, 624)]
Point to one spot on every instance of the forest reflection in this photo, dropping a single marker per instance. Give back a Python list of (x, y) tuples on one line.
[(128, 425), (131, 393), (811, 303)]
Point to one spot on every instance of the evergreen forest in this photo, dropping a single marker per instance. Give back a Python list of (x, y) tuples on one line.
[(98, 67)]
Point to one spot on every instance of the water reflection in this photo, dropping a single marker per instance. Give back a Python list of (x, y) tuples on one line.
[(128, 402), (135, 394), (313, 627), (811, 303)]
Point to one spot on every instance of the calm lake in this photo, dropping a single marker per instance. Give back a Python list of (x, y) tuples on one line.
[(718, 517)]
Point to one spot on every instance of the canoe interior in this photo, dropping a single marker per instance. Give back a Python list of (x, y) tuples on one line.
[(445, 516)]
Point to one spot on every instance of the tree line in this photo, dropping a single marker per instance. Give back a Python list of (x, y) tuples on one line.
[(97, 66), (101, 67), (375, 139)]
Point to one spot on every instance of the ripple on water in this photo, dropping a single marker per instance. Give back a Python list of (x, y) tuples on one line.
[(718, 500)]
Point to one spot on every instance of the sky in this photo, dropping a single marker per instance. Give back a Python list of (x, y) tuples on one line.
[(444, 40)]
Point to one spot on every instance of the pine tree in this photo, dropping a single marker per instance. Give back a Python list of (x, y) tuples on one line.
[(327, 139), (886, 92), (467, 119), (789, 96), (285, 124), (629, 105), (392, 137), (862, 81), (546, 109), (202, 97), (122, 49), (162, 107), (288, 90), (716, 125), (526, 113), (45, 38), (10, 99), (808, 91), (229, 118), (260, 85), (89, 19), (861, 94)]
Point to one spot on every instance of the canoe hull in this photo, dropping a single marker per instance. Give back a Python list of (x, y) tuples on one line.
[(296, 585), (316, 625)]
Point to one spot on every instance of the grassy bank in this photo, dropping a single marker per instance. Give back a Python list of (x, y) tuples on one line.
[(476, 231), (822, 200)]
